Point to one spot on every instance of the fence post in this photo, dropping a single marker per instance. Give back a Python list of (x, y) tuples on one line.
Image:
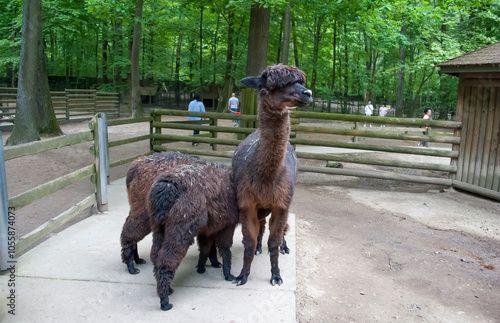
[(66, 98), (152, 129), (101, 160), (213, 134), (355, 139), (4, 217)]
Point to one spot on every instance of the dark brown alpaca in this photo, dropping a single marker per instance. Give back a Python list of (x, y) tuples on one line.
[(265, 165), (197, 200), (140, 177)]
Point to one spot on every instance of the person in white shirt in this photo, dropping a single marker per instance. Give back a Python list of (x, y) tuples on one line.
[(368, 111), (382, 112), (427, 116), (197, 106), (233, 105)]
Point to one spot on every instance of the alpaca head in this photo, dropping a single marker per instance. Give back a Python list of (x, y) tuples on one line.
[(281, 87)]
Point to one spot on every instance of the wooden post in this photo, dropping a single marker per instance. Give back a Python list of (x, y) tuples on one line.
[(101, 160), (7, 256), (355, 139), (152, 129), (427, 133), (66, 99), (213, 134)]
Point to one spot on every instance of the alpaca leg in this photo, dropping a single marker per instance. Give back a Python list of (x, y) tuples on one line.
[(284, 248), (138, 260), (134, 230), (224, 241), (156, 246), (207, 250), (262, 219), (277, 224), (213, 256), (250, 230), (262, 229), (169, 256)]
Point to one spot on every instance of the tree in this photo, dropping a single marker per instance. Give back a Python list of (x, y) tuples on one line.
[(286, 34), (228, 78), (256, 56), (401, 75), (35, 112), (135, 86)]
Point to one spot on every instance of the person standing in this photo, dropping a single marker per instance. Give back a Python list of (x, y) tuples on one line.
[(427, 116), (233, 105), (382, 112), (197, 106), (368, 111)]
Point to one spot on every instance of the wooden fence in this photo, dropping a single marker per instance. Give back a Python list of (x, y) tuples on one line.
[(23, 199), (392, 140), (67, 104)]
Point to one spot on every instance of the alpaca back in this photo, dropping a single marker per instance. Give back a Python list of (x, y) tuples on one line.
[(194, 198), (144, 171)]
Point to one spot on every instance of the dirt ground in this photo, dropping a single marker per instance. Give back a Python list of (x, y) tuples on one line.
[(368, 250)]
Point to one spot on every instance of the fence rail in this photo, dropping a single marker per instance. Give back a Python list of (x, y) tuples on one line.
[(70, 103), (348, 138)]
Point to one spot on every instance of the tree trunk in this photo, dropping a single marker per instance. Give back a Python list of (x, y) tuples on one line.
[(318, 21), (201, 51), (104, 57), (228, 78), (295, 44), (285, 52), (135, 86), (35, 112), (401, 78), (177, 85), (117, 52), (332, 84), (256, 57), (346, 69)]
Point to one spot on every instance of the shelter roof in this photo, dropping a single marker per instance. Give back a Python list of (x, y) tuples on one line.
[(486, 59)]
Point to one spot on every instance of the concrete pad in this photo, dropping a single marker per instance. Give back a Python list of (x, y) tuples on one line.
[(77, 276)]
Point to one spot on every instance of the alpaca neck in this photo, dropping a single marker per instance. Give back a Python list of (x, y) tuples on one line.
[(273, 141)]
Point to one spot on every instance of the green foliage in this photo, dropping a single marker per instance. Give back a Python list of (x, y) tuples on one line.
[(90, 39)]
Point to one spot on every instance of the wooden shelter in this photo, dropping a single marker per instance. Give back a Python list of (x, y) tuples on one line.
[(478, 108)]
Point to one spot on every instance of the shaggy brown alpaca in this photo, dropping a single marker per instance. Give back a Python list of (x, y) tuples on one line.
[(140, 177), (265, 165), (185, 202)]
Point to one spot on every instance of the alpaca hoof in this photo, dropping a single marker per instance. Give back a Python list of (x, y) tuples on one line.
[(140, 261), (276, 280), (165, 307), (284, 250), (216, 264), (240, 280), (229, 278), (258, 252), (132, 270), (200, 270)]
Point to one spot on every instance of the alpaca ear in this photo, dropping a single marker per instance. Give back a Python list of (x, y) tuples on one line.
[(252, 82)]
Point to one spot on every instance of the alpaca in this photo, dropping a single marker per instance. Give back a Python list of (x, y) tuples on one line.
[(140, 177), (185, 202), (265, 165)]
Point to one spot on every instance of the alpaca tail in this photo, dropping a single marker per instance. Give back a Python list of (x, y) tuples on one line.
[(164, 193)]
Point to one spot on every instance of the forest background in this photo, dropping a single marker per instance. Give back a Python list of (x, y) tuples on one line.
[(352, 51)]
